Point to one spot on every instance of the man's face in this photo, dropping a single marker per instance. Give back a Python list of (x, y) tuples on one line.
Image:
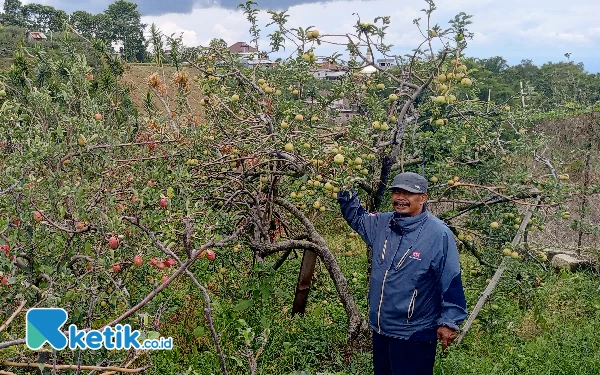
[(406, 203)]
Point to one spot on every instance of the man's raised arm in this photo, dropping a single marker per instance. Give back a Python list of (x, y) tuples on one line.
[(357, 217)]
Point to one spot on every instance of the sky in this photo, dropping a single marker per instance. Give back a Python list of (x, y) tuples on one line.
[(540, 30)]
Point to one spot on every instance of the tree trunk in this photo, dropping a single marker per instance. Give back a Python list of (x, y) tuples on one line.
[(316, 243)]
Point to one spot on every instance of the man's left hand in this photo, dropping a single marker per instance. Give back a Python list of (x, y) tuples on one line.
[(446, 336)]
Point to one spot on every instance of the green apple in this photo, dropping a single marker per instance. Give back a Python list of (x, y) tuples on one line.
[(439, 99), (338, 159), (466, 82)]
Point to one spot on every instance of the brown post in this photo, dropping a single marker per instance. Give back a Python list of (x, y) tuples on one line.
[(307, 269)]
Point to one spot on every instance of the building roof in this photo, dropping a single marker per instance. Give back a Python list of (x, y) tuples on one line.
[(242, 47), (326, 65), (37, 35), (369, 69)]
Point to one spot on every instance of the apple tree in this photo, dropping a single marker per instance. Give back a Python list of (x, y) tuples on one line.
[(272, 148)]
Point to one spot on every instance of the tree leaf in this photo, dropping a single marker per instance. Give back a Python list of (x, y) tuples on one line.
[(199, 331), (243, 304), (153, 335)]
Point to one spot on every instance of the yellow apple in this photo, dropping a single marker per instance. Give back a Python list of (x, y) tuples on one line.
[(466, 82), (338, 159)]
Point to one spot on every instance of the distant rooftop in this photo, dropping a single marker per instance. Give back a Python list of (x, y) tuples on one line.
[(37, 35), (242, 47)]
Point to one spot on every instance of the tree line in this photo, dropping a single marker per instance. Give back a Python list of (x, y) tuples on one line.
[(119, 24), (543, 87)]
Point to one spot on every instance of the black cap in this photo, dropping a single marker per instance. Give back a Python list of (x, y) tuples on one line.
[(409, 181)]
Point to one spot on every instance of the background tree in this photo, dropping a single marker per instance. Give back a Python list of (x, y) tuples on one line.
[(126, 28), (12, 13), (44, 18)]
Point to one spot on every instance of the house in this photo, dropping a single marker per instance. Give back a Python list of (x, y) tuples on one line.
[(249, 63), (242, 48), (327, 70), (386, 63), (35, 36), (249, 56), (344, 116), (340, 107)]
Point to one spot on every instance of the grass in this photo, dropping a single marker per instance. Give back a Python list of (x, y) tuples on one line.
[(548, 329)]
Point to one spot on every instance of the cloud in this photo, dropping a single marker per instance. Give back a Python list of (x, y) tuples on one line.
[(189, 37), (160, 7)]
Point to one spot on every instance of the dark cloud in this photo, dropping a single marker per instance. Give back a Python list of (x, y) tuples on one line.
[(146, 7), (268, 4), (69, 6), (158, 7)]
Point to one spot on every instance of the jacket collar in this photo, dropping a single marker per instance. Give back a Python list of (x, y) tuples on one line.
[(408, 224)]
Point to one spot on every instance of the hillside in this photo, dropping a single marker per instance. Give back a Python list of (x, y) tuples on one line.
[(136, 78)]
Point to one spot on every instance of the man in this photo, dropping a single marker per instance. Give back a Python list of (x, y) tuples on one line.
[(416, 294)]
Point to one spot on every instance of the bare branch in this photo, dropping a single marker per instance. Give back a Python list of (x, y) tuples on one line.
[(12, 317)]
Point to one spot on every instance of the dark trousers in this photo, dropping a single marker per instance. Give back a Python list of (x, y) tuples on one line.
[(402, 357)]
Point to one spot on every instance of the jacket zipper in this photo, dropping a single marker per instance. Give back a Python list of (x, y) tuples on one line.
[(411, 305), (383, 250), (380, 301), (401, 261)]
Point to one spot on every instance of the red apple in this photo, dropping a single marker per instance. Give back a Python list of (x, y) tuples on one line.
[(4, 280), (98, 116), (37, 216), (170, 262), (160, 265), (210, 255), (138, 260), (89, 76), (163, 202), (202, 254), (88, 267), (16, 222), (113, 242), (116, 267), (164, 279), (79, 225), (5, 248)]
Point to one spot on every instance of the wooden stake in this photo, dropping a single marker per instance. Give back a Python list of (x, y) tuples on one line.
[(307, 269)]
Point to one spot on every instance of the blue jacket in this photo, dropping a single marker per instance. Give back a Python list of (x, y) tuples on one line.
[(415, 281)]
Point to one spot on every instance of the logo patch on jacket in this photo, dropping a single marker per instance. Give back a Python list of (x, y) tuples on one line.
[(415, 255)]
